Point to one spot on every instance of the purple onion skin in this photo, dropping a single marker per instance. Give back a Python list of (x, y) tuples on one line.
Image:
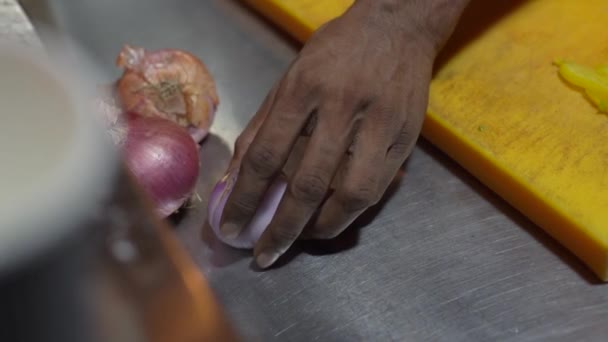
[(260, 221), (164, 160)]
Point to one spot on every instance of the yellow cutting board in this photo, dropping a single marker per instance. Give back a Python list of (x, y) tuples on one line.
[(498, 107)]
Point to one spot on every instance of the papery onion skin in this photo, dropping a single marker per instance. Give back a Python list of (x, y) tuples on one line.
[(260, 221), (168, 83)]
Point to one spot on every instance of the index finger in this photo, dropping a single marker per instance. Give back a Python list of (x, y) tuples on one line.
[(310, 183), (251, 130), (263, 161)]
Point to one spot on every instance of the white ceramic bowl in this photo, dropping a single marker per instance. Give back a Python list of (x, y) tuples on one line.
[(56, 163)]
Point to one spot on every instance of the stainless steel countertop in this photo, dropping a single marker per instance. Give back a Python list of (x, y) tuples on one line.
[(443, 259)]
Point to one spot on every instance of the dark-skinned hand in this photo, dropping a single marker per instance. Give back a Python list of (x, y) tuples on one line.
[(346, 115)]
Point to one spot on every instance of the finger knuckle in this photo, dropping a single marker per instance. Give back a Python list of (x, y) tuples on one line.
[(309, 188), (287, 111), (388, 117), (283, 236), (359, 197), (326, 234), (263, 160), (242, 205), (351, 102), (404, 141), (305, 74), (310, 87), (352, 96)]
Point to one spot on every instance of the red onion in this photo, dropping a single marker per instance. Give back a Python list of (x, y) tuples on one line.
[(162, 156), (164, 159), (260, 221), (168, 83)]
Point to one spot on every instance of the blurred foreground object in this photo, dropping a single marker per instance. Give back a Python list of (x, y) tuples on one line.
[(82, 255)]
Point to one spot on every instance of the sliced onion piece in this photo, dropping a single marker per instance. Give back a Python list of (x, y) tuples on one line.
[(260, 221)]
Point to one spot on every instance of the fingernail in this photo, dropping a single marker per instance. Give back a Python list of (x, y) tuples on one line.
[(266, 259), (230, 230)]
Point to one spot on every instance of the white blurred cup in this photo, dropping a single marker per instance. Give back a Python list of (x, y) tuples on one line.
[(56, 170)]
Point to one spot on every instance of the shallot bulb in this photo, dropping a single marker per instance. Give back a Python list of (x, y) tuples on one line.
[(168, 83), (260, 221), (164, 159), (161, 155)]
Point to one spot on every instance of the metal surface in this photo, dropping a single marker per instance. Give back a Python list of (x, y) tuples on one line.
[(443, 259)]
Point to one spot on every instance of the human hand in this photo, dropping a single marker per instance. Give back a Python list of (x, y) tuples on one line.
[(359, 88)]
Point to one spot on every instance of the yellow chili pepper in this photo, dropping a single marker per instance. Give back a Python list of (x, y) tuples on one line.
[(593, 81), (603, 70)]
